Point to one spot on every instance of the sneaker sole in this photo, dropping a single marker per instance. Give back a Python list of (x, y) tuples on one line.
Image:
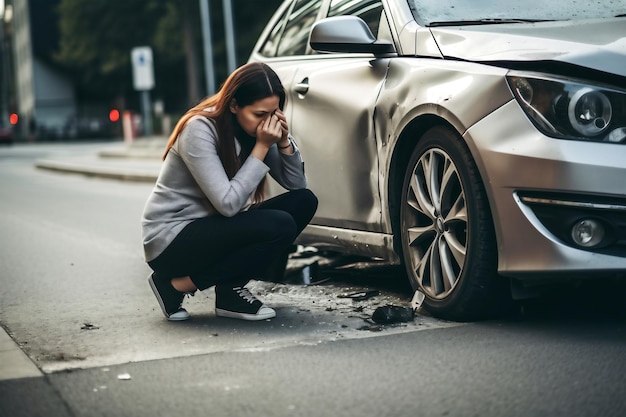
[(180, 315), (245, 316)]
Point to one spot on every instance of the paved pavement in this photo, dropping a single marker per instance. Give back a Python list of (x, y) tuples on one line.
[(315, 376), (139, 160), (27, 389)]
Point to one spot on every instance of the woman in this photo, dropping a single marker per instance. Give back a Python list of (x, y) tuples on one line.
[(206, 222)]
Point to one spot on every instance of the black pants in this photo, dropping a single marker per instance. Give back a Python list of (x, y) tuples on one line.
[(232, 250)]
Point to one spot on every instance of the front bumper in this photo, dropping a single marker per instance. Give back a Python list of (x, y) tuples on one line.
[(525, 171)]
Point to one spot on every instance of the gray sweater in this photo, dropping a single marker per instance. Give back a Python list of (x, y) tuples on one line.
[(193, 184)]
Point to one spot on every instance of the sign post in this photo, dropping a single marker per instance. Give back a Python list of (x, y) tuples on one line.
[(143, 81)]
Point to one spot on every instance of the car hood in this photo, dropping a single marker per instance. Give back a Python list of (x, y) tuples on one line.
[(596, 44)]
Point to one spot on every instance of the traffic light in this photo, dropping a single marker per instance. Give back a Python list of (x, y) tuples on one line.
[(114, 115)]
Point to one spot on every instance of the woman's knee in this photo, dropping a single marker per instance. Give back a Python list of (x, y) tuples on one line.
[(307, 200), (279, 224), (311, 203), (307, 196)]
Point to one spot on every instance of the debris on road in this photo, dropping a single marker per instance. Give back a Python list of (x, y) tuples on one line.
[(417, 300), (89, 326), (390, 314), (360, 295), (309, 273), (372, 327), (124, 377)]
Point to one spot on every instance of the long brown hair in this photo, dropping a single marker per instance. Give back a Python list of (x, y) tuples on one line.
[(247, 84)]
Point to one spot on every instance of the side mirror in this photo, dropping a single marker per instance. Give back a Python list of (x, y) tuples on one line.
[(346, 34)]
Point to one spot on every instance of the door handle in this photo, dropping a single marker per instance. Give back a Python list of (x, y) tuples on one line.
[(302, 87)]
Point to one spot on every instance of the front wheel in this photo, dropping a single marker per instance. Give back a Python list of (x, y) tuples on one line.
[(448, 242)]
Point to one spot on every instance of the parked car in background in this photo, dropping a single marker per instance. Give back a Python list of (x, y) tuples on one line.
[(88, 128), (76, 128), (482, 144), (6, 133)]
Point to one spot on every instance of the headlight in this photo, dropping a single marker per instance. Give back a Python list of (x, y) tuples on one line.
[(571, 110)]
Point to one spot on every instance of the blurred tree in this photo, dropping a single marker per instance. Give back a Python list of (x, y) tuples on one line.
[(96, 37)]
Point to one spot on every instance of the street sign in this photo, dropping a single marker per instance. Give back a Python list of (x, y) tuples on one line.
[(143, 72)]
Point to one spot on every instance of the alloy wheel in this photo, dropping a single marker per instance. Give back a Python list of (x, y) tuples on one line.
[(436, 224)]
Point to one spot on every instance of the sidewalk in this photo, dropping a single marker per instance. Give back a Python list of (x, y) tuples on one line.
[(136, 161)]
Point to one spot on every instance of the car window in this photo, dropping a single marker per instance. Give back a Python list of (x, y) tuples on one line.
[(270, 44), (297, 27), (368, 10), (384, 30), (454, 12)]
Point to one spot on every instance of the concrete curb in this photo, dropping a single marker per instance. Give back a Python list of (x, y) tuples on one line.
[(130, 153), (144, 148), (138, 161), (14, 363), (113, 172)]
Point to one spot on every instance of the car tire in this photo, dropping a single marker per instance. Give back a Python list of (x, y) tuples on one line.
[(448, 241)]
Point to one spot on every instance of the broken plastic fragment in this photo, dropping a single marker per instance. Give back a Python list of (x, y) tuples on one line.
[(372, 327), (360, 295), (304, 251), (308, 273), (417, 300)]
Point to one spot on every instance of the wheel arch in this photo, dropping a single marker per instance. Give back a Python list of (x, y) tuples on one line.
[(408, 138), (488, 286)]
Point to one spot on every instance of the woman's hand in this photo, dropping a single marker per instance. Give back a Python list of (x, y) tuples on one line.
[(283, 124), (270, 131), (284, 144)]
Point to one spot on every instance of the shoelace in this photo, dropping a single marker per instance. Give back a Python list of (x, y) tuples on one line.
[(244, 293), (186, 295)]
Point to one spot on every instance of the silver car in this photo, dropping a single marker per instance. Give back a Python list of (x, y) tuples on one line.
[(480, 143)]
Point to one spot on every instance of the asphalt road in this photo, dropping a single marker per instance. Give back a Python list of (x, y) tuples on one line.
[(75, 300)]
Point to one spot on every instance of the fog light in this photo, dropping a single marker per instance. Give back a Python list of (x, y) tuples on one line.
[(588, 233)]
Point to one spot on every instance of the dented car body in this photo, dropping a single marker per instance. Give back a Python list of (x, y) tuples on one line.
[(481, 146)]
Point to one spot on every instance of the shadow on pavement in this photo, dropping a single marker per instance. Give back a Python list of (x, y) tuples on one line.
[(591, 299)]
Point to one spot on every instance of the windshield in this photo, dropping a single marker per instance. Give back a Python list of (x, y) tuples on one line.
[(427, 12)]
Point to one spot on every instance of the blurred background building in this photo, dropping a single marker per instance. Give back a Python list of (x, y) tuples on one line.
[(65, 69), (37, 98)]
